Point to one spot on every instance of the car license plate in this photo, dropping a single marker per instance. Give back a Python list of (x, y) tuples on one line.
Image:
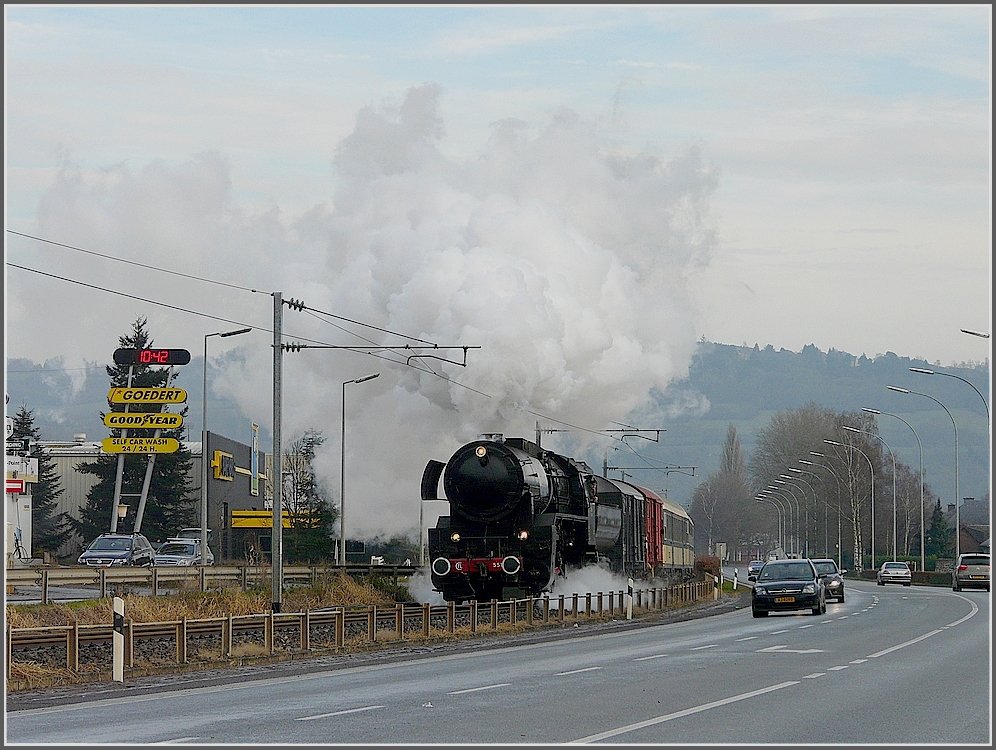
[(977, 577), (784, 599)]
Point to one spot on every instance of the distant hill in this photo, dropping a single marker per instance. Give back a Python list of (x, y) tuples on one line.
[(746, 386), (738, 385)]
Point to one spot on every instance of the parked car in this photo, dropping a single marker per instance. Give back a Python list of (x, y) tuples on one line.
[(971, 571), (181, 552), (117, 549), (753, 568), (833, 577), (894, 572), (786, 585)]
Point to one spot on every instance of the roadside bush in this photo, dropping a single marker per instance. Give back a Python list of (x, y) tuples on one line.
[(707, 564)]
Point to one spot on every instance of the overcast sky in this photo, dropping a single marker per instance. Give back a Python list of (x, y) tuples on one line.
[(581, 191)]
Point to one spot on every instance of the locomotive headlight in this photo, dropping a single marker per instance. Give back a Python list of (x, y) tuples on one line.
[(480, 451), (455, 536), (523, 535)]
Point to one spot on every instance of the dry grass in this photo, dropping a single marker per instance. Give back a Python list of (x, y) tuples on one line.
[(332, 590)]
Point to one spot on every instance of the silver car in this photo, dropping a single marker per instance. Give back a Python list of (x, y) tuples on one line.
[(971, 571), (181, 552), (894, 572)]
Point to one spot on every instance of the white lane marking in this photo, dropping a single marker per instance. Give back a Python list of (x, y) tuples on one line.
[(786, 650), (826, 622), (748, 638), (483, 687), (177, 741), (904, 645), (577, 671), (337, 713), (858, 661), (655, 656), (813, 676), (803, 627), (843, 617), (837, 669), (679, 714), (699, 648), (779, 632)]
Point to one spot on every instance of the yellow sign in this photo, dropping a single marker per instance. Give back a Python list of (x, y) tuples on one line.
[(224, 466), (258, 519), (136, 421), (146, 395), (140, 445)]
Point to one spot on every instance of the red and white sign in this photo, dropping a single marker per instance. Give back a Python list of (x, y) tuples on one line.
[(14, 486)]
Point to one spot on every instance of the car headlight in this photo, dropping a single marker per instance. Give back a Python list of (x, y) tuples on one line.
[(809, 588), (834, 584), (760, 590), (119, 561)]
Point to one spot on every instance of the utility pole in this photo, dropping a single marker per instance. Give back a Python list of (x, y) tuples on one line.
[(276, 538)]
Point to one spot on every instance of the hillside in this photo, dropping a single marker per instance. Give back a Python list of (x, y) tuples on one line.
[(738, 385)]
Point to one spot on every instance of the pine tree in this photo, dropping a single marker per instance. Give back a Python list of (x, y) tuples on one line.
[(49, 530), (940, 536), (170, 504)]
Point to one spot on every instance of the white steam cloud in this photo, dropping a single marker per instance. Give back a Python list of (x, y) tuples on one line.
[(562, 258)]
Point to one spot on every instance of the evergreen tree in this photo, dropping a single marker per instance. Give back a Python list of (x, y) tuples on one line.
[(940, 535), (49, 530), (171, 501)]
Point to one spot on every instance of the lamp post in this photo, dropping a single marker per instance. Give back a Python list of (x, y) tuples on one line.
[(788, 500), (923, 533), (894, 524), (204, 444), (840, 542), (816, 500), (342, 470), (897, 389), (765, 499), (925, 371), (798, 511), (784, 534), (872, 470)]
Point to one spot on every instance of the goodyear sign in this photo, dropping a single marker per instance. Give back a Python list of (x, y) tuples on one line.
[(146, 395), (140, 445), (136, 421)]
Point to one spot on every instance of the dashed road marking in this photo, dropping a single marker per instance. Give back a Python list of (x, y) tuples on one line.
[(483, 687)]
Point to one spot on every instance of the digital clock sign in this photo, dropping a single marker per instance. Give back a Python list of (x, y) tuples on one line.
[(151, 356)]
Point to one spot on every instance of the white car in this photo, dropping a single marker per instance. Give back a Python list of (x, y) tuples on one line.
[(894, 572)]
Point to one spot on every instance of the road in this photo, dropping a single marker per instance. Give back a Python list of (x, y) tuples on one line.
[(892, 665)]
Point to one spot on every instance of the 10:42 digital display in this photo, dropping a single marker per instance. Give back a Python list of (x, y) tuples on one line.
[(151, 356)]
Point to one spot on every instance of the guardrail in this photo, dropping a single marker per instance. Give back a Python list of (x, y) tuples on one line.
[(245, 576), (326, 629)]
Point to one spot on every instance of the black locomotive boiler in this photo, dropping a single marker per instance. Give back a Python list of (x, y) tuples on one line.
[(520, 516)]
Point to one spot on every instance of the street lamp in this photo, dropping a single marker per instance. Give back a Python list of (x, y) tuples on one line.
[(894, 524), (784, 532), (897, 389), (788, 500), (816, 500), (925, 371), (923, 533), (872, 470), (342, 470), (204, 445), (798, 505), (840, 541), (766, 499)]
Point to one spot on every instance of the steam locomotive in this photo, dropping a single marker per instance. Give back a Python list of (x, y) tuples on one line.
[(520, 516)]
